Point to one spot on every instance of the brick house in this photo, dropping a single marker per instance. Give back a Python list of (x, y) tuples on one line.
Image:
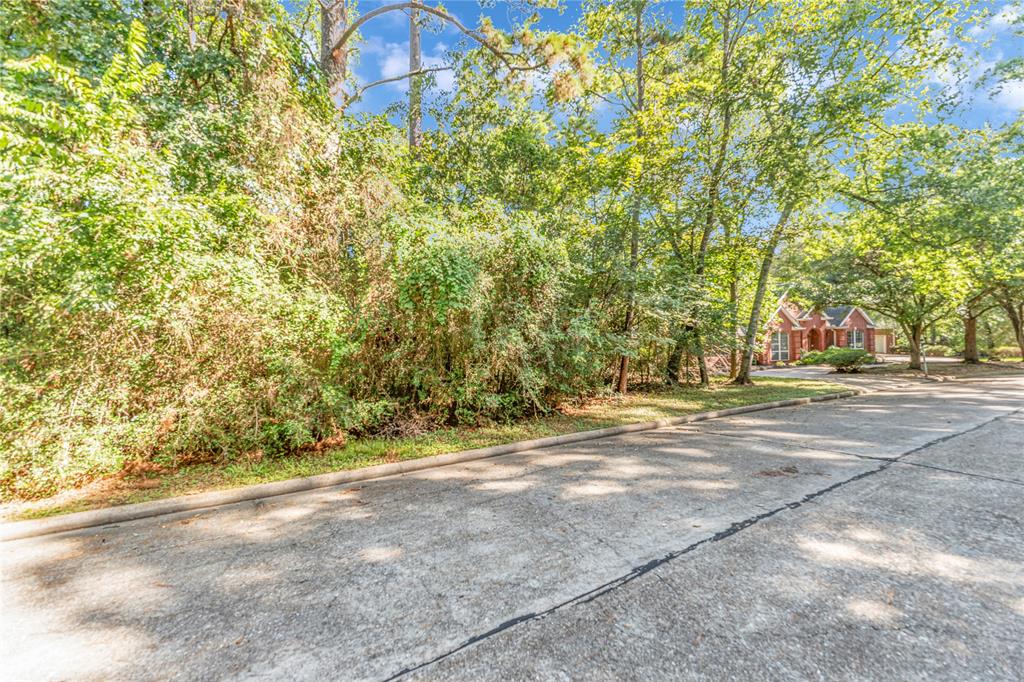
[(793, 332)]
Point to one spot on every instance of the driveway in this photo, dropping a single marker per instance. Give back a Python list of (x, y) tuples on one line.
[(880, 536), (819, 373)]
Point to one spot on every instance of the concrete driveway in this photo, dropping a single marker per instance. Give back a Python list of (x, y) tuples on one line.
[(876, 537)]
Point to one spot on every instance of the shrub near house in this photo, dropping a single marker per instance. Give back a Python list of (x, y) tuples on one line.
[(844, 360)]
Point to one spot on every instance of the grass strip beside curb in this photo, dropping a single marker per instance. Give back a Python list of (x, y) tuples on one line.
[(99, 517)]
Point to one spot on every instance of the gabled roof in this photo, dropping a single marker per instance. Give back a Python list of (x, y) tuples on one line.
[(809, 313), (784, 309), (838, 314), (848, 310), (788, 313)]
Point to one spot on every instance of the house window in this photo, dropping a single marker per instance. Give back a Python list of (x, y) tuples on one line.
[(780, 347), (855, 338)]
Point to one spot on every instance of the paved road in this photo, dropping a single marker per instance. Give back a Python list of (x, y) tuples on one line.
[(877, 537)]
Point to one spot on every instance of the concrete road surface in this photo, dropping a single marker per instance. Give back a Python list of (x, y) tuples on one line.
[(876, 537)]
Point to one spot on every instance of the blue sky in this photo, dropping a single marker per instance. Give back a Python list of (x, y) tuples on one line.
[(384, 53)]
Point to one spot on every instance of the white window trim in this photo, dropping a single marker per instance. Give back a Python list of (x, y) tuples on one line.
[(777, 354), (852, 340)]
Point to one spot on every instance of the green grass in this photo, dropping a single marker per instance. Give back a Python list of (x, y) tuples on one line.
[(357, 453)]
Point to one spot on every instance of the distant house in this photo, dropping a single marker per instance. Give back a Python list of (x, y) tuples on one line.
[(793, 332)]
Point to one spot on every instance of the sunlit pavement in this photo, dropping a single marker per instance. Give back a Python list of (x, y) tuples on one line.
[(876, 537)]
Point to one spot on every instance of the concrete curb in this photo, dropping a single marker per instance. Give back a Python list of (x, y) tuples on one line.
[(18, 530)]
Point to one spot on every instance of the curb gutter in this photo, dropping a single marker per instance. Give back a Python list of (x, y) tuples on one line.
[(17, 530)]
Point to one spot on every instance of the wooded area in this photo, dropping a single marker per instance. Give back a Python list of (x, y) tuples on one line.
[(205, 251)]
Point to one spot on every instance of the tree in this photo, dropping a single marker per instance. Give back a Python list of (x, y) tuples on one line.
[(824, 87), (333, 57)]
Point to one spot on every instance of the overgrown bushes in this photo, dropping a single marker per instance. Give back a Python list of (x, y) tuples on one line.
[(159, 310)]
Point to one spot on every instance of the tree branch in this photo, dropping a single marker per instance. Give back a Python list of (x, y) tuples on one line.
[(419, 72), (502, 56)]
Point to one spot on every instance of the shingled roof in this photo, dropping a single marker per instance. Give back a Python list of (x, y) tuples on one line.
[(836, 314)]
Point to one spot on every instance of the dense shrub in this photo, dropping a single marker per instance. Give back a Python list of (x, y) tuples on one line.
[(842, 359), (941, 351), (1002, 352), (171, 298), (811, 357)]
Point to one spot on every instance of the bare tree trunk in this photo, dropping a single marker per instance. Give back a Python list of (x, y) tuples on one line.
[(915, 334), (416, 82), (675, 357), (1016, 315), (743, 375), (634, 261), (971, 339), (333, 20), (734, 324), (1014, 310)]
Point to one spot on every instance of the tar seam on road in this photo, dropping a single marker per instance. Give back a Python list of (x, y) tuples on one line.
[(963, 473), (639, 571)]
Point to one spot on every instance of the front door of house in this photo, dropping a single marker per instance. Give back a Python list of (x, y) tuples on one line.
[(814, 340)]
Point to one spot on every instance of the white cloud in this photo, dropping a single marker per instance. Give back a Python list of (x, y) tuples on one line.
[(1006, 17), (392, 60), (965, 72), (1010, 95), (999, 22)]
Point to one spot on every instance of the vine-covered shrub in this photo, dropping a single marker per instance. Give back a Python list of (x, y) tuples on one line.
[(471, 323), (257, 303)]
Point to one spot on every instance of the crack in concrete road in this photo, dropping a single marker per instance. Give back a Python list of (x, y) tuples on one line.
[(733, 529), (1011, 481)]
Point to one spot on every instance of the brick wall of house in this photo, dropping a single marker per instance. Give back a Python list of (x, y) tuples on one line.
[(858, 321), (784, 324)]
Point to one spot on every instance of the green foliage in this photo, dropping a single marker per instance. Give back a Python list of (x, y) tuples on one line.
[(811, 357), (1004, 352), (202, 260), (842, 359), (941, 351)]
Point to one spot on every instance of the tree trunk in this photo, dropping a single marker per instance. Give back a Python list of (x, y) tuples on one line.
[(675, 357), (971, 339), (734, 325), (634, 236), (713, 191), (915, 334), (415, 82), (743, 375), (634, 261), (1014, 311), (333, 20), (1016, 315)]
